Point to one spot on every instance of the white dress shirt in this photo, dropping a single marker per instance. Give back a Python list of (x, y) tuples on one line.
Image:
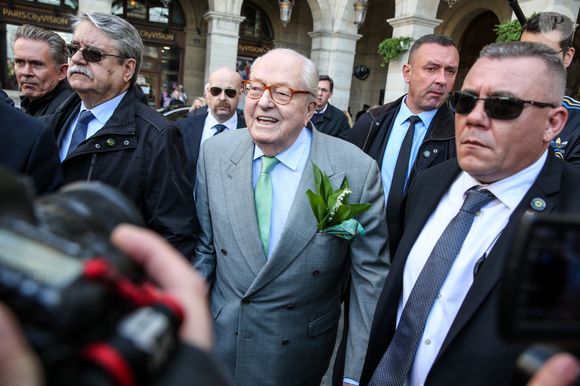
[(285, 179), (102, 114), (395, 141), (210, 122), (486, 228)]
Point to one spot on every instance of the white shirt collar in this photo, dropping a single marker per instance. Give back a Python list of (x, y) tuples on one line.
[(291, 156)]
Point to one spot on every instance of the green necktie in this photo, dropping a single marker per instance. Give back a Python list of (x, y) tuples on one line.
[(263, 198)]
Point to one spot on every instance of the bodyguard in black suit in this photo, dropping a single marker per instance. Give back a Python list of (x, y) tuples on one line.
[(328, 119), (505, 120), (223, 94), (28, 147), (430, 74)]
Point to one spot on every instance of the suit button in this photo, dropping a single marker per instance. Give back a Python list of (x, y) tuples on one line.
[(245, 301), (285, 342), (290, 306), (224, 252), (316, 273)]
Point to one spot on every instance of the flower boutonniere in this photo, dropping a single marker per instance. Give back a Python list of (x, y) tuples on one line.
[(333, 213)]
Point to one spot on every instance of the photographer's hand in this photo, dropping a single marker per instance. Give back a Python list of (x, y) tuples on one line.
[(19, 366), (560, 370), (168, 269)]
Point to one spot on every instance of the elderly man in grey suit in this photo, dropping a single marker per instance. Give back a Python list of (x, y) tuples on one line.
[(276, 283)]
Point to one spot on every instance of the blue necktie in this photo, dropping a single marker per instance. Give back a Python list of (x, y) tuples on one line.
[(395, 364), (80, 131), (219, 128)]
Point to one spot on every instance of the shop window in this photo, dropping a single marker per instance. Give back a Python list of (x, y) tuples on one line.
[(150, 10), (74, 4), (257, 25)]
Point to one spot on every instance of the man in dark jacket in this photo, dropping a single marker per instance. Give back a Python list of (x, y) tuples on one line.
[(557, 32), (328, 119), (114, 138), (28, 148), (385, 132), (40, 66), (222, 93)]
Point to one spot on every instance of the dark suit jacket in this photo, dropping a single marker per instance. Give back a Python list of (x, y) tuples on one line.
[(28, 147), (371, 133), (567, 145), (192, 128), (333, 122), (473, 353)]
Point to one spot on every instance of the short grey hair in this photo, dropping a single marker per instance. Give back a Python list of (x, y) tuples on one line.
[(556, 70), (126, 37), (56, 44), (309, 79)]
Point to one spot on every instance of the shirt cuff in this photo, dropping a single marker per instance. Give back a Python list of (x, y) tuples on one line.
[(350, 381)]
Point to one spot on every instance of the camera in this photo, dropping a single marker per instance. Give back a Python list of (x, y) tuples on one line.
[(85, 308), (540, 300)]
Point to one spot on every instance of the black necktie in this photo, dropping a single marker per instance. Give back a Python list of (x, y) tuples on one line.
[(219, 128), (80, 131), (395, 364), (398, 182)]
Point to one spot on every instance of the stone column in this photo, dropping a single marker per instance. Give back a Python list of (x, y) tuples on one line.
[(333, 53), (222, 40), (414, 26), (104, 6)]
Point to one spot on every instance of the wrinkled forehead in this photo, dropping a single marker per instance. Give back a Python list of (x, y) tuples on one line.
[(518, 76)]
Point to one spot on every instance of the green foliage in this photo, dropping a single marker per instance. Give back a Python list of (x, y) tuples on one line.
[(331, 207), (509, 31), (391, 48)]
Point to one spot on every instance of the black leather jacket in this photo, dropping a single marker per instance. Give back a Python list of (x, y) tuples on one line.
[(140, 153)]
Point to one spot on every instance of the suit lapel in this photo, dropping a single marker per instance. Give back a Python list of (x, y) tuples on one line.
[(239, 197), (300, 226), (546, 187)]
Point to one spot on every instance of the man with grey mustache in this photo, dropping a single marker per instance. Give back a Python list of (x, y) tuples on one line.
[(110, 136)]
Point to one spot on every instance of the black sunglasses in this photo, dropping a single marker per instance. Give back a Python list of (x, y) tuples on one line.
[(496, 107), (230, 92), (90, 55)]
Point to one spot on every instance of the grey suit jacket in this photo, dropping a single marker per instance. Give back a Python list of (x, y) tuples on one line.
[(276, 319)]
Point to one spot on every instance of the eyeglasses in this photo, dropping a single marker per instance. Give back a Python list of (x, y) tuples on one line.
[(230, 92), (496, 107), (90, 55), (280, 94)]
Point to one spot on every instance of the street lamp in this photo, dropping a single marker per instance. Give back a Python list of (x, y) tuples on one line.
[(286, 11), (360, 12)]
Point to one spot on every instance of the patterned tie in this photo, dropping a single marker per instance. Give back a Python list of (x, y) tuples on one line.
[(80, 131), (397, 360), (399, 180), (219, 128), (263, 198)]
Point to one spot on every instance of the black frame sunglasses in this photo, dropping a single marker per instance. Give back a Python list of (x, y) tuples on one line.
[(496, 107), (90, 55), (230, 92)]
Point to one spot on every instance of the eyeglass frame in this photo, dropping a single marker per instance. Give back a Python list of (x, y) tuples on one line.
[(269, 88), (487, 108), (224, 90), (88, 51)]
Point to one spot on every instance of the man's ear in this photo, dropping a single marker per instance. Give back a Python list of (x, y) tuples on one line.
[(569, 56), (311, 107), (407, 72), (62, 70), (129, 65), (556, 120)]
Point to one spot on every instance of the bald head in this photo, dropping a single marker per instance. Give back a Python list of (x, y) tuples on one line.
[(223, 93)]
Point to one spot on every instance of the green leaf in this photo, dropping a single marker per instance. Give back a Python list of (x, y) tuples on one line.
[(343, 213), (317, 204), (317, 178), (356, 209)]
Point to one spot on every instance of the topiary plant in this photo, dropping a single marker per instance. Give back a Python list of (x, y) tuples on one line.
[(391, 48), (509, 31)]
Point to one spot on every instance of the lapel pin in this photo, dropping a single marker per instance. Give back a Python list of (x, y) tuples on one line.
[(538, 204)]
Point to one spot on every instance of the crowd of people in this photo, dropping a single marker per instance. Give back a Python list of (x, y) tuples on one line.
[(444, 176)]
